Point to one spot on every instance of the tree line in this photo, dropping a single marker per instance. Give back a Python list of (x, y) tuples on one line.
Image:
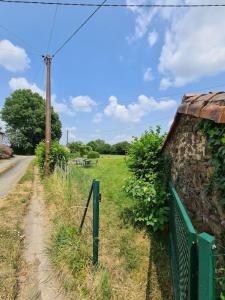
[(99, 146)]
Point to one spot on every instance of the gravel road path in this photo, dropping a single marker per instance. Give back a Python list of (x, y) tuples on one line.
[(10, 178), (37, 280)]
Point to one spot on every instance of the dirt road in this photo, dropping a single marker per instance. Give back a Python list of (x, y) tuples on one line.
[(16, 169), (37, 280)]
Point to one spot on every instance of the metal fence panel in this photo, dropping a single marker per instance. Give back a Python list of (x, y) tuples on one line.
[(183, 250), (206, 245)]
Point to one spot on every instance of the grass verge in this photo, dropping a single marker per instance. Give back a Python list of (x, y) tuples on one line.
[(12, 209), (132, 264)]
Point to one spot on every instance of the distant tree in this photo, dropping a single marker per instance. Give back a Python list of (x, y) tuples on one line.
[(120, 148), (24, 114), (75, 146), (100, 146), (79, 147)]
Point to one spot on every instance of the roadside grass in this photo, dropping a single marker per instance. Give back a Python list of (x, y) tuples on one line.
[(12, 209), (129, 267)]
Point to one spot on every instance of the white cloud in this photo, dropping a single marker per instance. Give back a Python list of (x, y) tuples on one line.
[(135, 111), (194, 43), (83, 103), (194, 47), (143, 18), (148, 76), (119, 138), (13, 58), (152, 38), (97, 118), (22, 83), (62, 107)]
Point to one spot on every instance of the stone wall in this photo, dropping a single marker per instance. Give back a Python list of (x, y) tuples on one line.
[(191, 170)]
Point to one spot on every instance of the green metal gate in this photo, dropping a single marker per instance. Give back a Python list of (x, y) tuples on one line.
[(192, 257)]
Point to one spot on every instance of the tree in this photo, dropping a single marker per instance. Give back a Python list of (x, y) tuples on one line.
[(120, 148), (100, 146), (75, 147), (24, 114), (79, 147)]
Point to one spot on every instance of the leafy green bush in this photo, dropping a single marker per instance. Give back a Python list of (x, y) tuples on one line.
[(79, 147), (58, 155), (147, 187), (144, 153), (93, 154)]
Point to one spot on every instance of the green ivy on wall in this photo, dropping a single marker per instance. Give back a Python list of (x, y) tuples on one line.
[(215, 134)]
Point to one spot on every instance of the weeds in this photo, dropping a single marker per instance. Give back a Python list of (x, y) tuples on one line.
[(124, 251), (12, 210)]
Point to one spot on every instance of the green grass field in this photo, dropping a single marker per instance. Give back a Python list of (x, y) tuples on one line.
[(132, 265)]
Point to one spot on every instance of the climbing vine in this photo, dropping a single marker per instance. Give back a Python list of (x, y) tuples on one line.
[(215, 134)]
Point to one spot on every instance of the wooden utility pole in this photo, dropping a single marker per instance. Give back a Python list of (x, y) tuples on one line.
[(47, 61)]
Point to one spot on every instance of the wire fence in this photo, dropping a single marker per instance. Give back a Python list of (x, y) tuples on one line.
[(197, 260)]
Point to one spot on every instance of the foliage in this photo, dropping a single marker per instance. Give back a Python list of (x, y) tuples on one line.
[(123, 250), (100, 146), (24, 113), (215, 134), (74, 155), (148, 186), (93, 154), (120, 148), (58, 155), (144, 153), (79, 147)]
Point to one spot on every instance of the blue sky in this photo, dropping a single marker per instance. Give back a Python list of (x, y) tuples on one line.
[(124, 72)]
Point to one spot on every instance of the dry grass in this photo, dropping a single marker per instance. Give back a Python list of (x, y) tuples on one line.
[(132, 265), (12, 209)]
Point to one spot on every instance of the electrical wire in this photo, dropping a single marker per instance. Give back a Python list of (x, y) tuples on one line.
[(113, 5), (79, 28), (21, 40), (52, 27)]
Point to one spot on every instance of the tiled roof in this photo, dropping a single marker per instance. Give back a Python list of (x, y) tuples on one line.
[(206, 106), (209, 106)]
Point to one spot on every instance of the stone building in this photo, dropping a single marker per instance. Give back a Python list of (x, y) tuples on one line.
[(190, 155)]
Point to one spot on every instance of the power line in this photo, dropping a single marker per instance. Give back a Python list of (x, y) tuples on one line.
[(79, 28), (52, 27), (113, 5), (18, 38)]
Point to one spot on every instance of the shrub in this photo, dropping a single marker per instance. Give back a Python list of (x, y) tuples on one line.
[(149, 209), (147, 187), (144, 153), (93, 154), (58, 155)]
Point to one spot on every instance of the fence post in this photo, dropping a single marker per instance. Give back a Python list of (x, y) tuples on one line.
[(206, 289), (95, 221)]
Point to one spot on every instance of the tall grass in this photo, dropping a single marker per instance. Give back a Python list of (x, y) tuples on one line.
[(123, 272), (12, 211)]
